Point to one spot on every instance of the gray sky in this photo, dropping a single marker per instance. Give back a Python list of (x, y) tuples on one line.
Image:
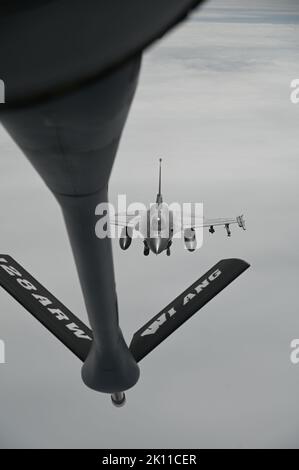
[(213, 100)]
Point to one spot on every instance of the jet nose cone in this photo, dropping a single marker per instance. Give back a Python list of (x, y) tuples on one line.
[(157, 245)]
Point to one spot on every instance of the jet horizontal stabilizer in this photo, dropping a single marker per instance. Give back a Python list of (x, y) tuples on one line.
[(185, 305)]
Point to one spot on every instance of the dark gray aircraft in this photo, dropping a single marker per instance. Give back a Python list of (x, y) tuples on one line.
[(160, 224), (70, 70)]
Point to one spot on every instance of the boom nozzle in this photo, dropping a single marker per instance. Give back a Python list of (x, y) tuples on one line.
[(118, 399)]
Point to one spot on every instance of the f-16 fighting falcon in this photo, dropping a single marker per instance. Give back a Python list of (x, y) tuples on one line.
[(160, 224)]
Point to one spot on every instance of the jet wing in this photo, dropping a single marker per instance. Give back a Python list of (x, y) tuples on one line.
[(205, 222), (125, 220)]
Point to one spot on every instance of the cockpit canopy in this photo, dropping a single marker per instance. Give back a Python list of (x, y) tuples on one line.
[(159, 220)]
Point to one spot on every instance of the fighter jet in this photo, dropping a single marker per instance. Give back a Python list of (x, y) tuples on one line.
[(159, 224)]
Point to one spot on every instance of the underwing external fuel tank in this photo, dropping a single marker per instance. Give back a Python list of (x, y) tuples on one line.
[(126, 238), (190, 239), (70, 69)]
